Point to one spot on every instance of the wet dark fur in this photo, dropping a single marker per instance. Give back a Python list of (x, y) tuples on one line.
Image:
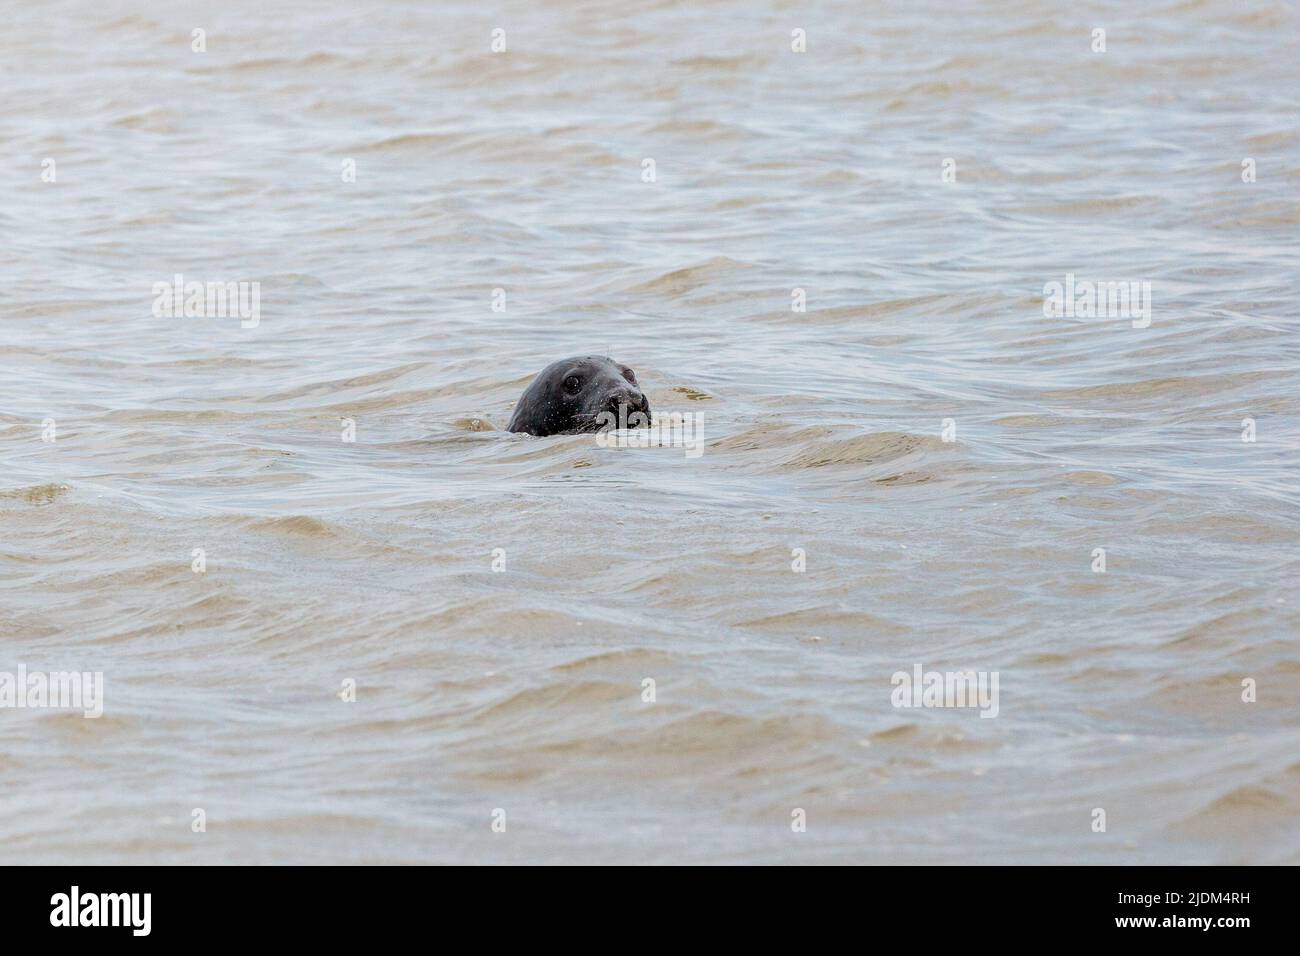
[(552, 406)]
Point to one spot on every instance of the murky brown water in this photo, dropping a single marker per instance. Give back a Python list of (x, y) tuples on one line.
[(522, 690)]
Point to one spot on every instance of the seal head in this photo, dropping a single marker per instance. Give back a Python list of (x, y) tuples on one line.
[(586, 393)]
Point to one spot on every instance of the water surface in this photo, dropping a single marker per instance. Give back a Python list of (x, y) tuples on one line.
[(522, 690)]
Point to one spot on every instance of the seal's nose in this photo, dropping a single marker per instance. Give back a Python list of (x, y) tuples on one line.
[(623, 395)]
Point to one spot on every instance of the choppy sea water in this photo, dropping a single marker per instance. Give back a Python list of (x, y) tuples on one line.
[(920, 171)]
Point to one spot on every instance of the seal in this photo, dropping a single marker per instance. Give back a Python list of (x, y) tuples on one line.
[(586, 393)]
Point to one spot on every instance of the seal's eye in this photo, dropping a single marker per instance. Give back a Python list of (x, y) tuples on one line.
[(629, 375), (572, 384)]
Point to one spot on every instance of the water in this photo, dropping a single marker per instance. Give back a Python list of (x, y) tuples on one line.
[(521, 691)]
